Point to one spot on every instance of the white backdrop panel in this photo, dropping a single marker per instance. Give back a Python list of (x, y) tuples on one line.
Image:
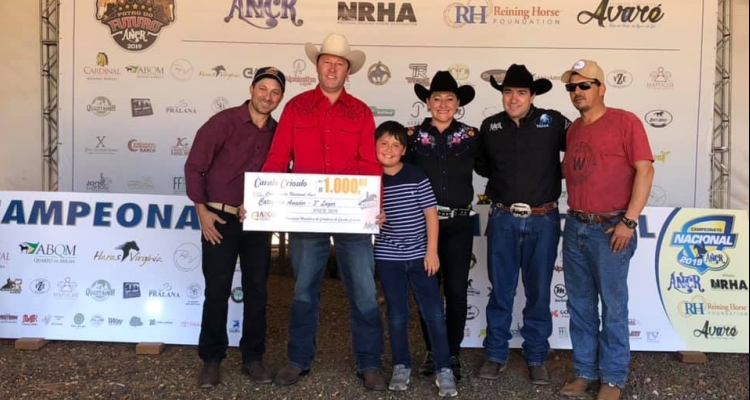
[(201, 61)]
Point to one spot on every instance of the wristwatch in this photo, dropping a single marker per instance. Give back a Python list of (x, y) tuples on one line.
[(630, 223)]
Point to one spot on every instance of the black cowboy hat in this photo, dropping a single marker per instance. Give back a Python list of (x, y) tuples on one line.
[(520, 77), (443, 81)]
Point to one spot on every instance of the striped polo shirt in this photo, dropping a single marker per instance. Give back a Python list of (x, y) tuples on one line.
[(406, 195)]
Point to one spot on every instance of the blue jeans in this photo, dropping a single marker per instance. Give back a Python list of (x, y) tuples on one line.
[(395, 278), (309, 253), (529, 245), (594, 272)]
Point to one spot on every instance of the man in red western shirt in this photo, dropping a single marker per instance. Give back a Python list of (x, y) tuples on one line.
[(328, 131)]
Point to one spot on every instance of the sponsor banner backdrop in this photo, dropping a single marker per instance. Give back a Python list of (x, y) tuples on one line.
[(688, 285), (139, 77), (101, 267), (97, 267)]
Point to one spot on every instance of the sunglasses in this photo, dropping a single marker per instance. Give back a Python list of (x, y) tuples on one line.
[(571, 87)]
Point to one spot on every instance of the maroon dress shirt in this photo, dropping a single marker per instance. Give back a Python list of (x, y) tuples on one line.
[(225, 147)]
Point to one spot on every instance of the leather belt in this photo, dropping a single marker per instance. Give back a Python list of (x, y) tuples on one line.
[(589, 219), (523, 210), (224, 207), (448, 212)]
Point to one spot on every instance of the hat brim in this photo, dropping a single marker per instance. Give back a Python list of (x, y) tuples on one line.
[(538, 87), (356, 58), (465, 94)]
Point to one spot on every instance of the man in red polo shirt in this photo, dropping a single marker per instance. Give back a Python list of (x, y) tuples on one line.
[(608, 169), (328, 131), (230, 143)]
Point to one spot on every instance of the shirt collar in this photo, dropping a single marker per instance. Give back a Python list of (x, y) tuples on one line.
[(243, 113), (426, 125), (344, 97), (529, 115)]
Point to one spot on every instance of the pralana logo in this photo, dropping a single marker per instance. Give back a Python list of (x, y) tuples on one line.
[(658, 118), (135, 24), (703, 241), (181, 108), (264, 14)]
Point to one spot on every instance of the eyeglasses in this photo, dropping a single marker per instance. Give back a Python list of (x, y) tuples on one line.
[(571, 87)]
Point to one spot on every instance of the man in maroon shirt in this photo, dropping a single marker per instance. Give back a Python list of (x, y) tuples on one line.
[(608, 169), (327, 131), (230, 143)]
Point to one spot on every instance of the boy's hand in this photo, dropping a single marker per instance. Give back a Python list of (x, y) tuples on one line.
[(431, 263), (380, 219), (243, 213)]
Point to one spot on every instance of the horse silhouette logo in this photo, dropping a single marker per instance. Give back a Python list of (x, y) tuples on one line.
[(378, 74), (219, 70), (369, 200), (12, 285), (126, 248), (28, 248)]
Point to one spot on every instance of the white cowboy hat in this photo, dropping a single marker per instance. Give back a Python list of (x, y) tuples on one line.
[(336, 45)]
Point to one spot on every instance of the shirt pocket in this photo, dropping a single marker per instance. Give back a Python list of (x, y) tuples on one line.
[(347, 139)]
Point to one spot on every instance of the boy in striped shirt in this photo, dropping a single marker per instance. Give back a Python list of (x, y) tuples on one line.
[(406, 256)]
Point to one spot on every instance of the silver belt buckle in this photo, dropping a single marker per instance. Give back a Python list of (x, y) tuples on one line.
[(444, 210), (520, 210)]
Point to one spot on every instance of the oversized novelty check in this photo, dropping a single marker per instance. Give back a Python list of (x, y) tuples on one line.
[(311, 203)]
